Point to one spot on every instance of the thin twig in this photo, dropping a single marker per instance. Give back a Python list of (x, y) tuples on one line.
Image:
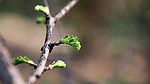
[(50, 23), (60, 14), (46, 4), (36, 65)]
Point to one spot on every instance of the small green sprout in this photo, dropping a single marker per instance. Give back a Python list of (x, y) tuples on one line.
[(20, 59), (72, 41), (41, 8), (40, 20), (57, 64)]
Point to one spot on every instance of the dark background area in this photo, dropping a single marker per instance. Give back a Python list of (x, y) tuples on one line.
[(114, 35)]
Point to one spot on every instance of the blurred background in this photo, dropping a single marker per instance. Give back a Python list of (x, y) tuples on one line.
[(114, 34)]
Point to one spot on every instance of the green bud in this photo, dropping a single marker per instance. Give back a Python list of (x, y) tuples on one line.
[(41, 8), (20, 59), (58, 64), (40, 20), (72, 41)]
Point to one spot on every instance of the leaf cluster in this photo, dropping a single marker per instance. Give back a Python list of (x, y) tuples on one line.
[(58, 64), (20, 59), (72, 41)]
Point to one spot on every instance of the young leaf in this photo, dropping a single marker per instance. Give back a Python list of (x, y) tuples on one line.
[(40, 20), (20, 59), (41, 8), (58, 64), (72, 41)]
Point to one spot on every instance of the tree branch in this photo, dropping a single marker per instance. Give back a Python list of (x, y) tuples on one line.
[(60, 14), (46, 49), (8, 73)]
